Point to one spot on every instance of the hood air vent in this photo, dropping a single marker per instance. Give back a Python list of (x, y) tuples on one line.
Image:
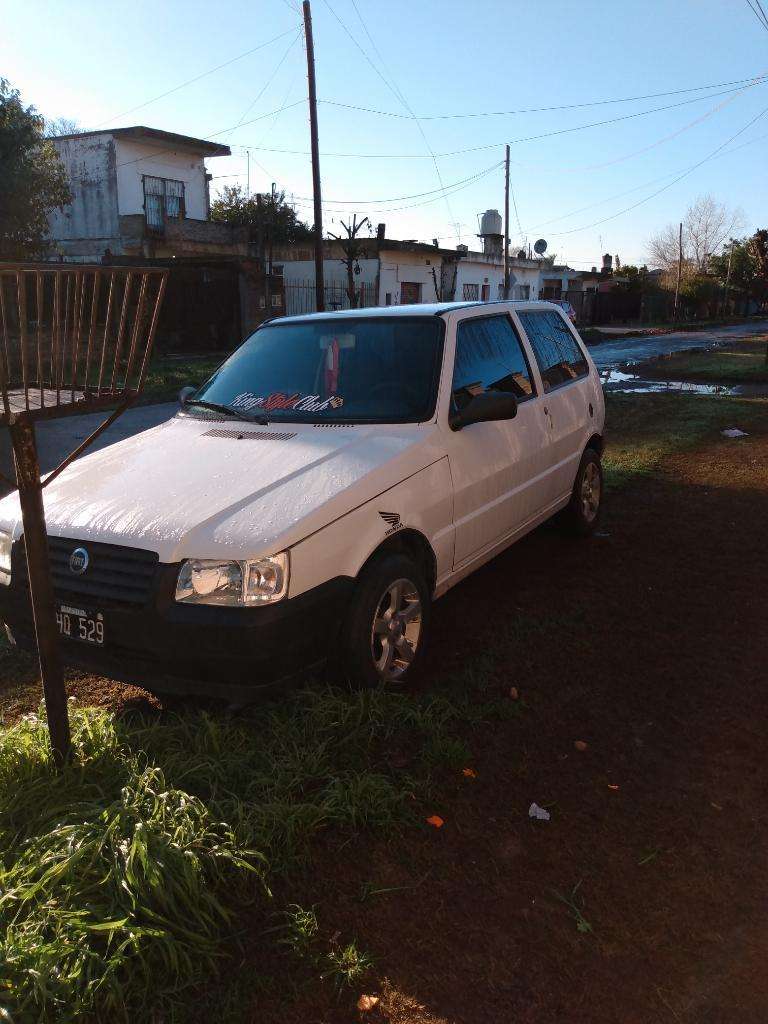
[(248, 435)]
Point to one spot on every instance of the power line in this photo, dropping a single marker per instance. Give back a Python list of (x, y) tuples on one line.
[(537, 110), (760, 15), (394, 89), (397, 199), (268, 82), (397, 209), (197, 78), (214, 135), (762, 11), (680, 177), (526, 138), (644, 149)]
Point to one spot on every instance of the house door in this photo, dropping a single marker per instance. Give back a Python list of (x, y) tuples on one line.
[(410, 293)]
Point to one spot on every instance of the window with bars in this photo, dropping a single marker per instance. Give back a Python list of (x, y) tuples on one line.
[(163, 200), (471, 292)]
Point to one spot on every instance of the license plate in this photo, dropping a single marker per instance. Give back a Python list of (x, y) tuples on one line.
[(82, 624)]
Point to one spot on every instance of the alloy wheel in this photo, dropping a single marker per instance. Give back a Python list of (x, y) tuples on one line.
[(590, 491), (396, 629)]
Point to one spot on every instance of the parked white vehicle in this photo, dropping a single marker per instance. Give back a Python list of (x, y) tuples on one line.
[(336, 475)]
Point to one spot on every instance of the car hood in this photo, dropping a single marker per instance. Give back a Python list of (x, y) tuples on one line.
[(196, 488)]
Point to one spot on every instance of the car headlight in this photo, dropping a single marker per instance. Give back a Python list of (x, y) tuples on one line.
[(217, 581), (6, 544)]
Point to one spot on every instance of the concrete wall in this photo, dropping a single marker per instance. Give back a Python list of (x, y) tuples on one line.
[(135, 159), (90, 223), (397, 267), (473, 269)]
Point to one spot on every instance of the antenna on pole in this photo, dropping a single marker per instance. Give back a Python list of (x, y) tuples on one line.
[(319, 282)]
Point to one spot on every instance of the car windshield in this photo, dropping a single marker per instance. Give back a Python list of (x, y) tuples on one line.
[(349, 369)]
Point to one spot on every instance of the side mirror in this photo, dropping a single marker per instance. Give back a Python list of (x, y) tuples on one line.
[(186, 393), (485, 408)]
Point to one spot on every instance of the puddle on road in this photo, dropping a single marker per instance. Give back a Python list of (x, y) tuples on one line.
[(620, 380)]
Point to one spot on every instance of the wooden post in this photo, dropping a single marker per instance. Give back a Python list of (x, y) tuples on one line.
[(319, 279), (40, 584), (679, 272), (506, 227)]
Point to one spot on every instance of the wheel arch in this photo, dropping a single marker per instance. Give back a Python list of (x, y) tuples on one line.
[(409, 542), (596, 443)]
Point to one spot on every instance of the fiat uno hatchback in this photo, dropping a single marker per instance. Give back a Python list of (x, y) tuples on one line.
[(333, 478)]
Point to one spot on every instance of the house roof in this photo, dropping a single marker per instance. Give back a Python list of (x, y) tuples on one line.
[(140, 133)]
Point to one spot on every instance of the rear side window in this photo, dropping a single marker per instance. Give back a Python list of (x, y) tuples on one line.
[(557, 352), (489, 357)]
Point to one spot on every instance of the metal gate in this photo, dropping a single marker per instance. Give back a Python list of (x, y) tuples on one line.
[(300, 296)]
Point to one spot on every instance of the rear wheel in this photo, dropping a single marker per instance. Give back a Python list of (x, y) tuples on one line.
[(382, 640), (582, 514)]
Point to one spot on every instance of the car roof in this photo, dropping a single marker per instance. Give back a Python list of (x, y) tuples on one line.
[(420, 309)]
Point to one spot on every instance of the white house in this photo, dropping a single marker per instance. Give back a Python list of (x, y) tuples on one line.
[(137, 191)]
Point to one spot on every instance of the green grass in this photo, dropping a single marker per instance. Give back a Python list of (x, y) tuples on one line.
[(120, 876), (742, 363), (123, 878), (642, 429), (168, 374)]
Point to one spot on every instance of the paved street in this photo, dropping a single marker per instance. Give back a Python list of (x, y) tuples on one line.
[(610, 354)]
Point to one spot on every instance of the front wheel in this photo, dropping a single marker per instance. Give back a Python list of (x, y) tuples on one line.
[(582, 514), (382, 640)]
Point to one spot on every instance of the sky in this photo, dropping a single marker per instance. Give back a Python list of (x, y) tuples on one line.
[(420, 60)]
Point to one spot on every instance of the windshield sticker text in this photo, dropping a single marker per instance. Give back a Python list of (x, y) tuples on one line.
[(281, 400)]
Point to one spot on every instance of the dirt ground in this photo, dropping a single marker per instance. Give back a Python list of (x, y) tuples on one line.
[(652, 652), (656, 658)]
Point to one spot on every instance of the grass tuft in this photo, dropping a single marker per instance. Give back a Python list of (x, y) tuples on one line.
[(120, 875)]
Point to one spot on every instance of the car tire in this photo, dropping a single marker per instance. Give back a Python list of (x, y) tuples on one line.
[(582, 514), (383, 637)]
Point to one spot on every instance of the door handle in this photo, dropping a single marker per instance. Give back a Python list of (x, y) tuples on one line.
[(546, 411)]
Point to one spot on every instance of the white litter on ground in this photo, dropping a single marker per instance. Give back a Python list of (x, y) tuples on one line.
[(534, 811), (734, 432)]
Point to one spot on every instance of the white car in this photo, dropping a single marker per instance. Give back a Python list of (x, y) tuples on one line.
[(334, 477)]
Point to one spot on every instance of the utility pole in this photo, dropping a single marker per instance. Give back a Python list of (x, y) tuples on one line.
[(248, 174), (679, 272), (506, 226), (728, 281), (319, 280)]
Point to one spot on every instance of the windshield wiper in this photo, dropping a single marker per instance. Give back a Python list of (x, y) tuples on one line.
[(228, 410)]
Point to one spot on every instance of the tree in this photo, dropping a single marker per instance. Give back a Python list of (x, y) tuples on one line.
[(706, 226), (33, 181), (354, 249), (272, 216), (54, 127), (743, 265)]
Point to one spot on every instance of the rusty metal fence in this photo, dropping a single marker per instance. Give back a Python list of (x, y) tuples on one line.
[(74, 338)]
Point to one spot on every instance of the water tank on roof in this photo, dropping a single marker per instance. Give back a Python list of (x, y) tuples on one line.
[(490, 223)]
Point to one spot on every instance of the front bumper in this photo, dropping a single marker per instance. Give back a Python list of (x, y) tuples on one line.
[(209, 651)]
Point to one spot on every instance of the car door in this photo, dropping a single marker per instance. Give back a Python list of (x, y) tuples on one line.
[(567, 393), (496, 467)]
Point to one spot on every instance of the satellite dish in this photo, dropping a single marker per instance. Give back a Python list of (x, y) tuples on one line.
[(540, 247)]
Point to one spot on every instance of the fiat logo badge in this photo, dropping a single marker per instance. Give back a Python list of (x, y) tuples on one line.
[(78, 561)]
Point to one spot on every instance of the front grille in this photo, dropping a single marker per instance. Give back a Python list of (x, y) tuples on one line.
[(115, 575)]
